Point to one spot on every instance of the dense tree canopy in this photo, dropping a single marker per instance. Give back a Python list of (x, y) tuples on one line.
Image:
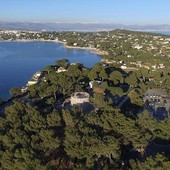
[(42, 131)]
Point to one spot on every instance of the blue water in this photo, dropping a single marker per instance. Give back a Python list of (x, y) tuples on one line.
[(162, 32), (20, 60), (166, 33)]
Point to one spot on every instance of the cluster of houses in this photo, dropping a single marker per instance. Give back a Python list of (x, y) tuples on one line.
[(79, 98), (156, 100), (34, 80), (139, 64), (82, 99)]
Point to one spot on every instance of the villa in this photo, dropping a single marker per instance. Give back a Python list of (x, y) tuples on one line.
[(32, 82), (61, 69), (157, 102), (37, 75), (79, 98), (34, 79)]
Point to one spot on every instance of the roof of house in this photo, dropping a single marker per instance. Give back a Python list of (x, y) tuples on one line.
[(80, 95), (157, 91), (98, 90)]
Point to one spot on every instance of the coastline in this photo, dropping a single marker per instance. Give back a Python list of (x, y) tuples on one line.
[(92, 50), (21, 40)]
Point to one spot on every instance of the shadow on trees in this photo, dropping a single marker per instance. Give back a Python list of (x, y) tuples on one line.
[(158, 145), (130, 110)]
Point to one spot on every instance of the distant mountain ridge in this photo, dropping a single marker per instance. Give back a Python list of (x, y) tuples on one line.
[(33, 26)]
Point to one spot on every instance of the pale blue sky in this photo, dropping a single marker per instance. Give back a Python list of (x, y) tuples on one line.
[(105, 11)]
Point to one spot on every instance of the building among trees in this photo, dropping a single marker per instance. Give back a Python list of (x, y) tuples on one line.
[(61, 69), (79, 98), (157, 102)]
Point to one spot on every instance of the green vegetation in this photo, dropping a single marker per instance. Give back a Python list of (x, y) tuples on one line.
[(1, 101), (134, 49), (34, 139), (14, 91), (41, 130), (37, 132)]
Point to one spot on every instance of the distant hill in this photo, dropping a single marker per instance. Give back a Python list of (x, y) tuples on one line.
[(29, 26)]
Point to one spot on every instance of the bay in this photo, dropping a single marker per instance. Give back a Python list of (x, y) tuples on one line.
[(20, 60)]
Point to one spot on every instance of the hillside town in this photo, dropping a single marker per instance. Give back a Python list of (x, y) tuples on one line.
[(127, 48)]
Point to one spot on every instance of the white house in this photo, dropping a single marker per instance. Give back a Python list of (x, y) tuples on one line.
[(61, 69), (37, 75), (32, 82), (92, 82), (138, 47)]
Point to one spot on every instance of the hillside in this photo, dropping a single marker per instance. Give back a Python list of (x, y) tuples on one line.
[(47, 130)]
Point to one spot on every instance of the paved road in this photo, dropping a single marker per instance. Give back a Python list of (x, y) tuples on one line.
[(122, 102)]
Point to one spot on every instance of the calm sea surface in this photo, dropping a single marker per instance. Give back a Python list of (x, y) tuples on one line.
[(166, 33), (159, 32), (20, 60)]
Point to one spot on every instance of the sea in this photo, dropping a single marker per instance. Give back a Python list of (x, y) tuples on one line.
[(20, 60), (162, 32)]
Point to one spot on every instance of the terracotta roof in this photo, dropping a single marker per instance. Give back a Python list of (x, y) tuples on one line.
[(98, 90)]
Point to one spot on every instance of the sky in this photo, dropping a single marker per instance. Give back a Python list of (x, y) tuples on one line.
[(102, 11)]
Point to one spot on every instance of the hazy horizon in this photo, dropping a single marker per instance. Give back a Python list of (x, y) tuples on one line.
[(132, 12), (103, 23)]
